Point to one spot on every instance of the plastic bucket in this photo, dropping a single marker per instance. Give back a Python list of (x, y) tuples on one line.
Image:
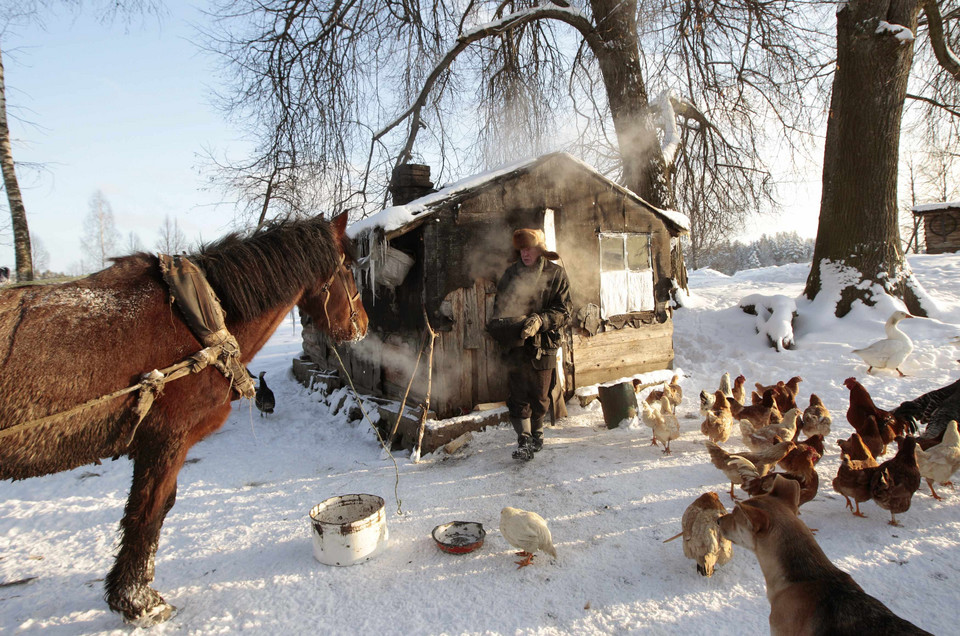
[(619, 403), (394, 268), (349, 529)]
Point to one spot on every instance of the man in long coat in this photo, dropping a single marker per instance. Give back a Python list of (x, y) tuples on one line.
[(531, 308)]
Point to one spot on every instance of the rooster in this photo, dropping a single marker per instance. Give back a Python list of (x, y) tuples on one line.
[(935, 409)]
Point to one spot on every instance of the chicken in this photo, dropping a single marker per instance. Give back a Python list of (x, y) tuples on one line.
[(890, 352), (666, 426), (757, 439), (855, 449), (895, 480), (870, 434), (706, 403), (939, 462), (816, 443), (762, 461), (527, 531), (725, 386), (816, 418), (853, 480), (784, 393), (798, 465), (718, 422), (739, 393), (760, 415), (676, 392), (674, 395), (935, 409), (861, 405), (702, 540)]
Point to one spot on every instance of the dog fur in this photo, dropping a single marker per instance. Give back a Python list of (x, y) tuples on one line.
[(808, 595)]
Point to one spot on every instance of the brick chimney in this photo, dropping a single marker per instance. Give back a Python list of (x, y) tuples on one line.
[(410, 181)]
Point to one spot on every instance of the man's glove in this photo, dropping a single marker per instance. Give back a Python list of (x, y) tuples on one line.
[(531, 326)]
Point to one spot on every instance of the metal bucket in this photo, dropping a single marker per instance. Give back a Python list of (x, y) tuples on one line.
[(349, 529)]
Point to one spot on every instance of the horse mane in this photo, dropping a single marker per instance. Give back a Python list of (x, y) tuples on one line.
[(256, 271)]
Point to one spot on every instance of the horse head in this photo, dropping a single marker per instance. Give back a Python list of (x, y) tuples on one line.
[(334, 304)]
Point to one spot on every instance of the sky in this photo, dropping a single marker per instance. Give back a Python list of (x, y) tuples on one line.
[(125, 109), (128, 110), (236, 552)]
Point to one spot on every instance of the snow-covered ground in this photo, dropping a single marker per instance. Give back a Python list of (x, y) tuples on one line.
[(235, 553)]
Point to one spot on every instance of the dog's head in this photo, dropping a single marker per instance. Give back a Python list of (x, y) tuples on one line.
[(751, 520)]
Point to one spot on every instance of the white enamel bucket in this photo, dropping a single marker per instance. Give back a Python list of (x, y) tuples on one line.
[(349, 529)]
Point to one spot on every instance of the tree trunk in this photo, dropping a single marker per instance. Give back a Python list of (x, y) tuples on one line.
[(18, 214), (644, 171), (858, 210)]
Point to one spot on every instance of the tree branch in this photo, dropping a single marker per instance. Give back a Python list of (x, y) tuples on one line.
[(945, 56)]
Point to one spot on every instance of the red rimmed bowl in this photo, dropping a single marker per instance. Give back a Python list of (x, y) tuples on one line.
[(459, 537)]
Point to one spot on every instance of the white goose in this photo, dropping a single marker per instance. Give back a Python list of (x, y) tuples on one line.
[(890, 352)]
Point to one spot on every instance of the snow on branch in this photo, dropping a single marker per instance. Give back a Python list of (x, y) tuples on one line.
[(898, 31)]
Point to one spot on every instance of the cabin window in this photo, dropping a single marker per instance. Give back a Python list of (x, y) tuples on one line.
[(626, 273)]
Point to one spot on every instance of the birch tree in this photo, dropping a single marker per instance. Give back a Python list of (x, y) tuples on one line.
[(100, 235), (172, 239)]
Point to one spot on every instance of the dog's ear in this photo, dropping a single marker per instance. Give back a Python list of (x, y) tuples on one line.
[(758, 519), (787, 491)]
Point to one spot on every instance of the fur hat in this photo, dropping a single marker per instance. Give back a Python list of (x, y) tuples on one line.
[(529, 237)]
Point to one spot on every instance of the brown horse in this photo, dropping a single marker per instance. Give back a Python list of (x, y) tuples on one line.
[(64, 345)]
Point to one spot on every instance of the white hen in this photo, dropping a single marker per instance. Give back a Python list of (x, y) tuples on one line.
[(938, 463), (527, 531), (890, 352)]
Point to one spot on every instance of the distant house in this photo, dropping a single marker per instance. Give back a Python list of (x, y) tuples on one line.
[(440, 254), (941, 226)]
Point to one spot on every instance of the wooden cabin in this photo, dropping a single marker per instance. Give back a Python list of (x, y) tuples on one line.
[(941, 226), (440, 255)]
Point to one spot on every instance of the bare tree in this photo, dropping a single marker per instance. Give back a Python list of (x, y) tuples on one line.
[(18, 213), (172, 239), (134, 244), (40, 255), (859, 226), (11, 14), (472, 83), (100, 236)]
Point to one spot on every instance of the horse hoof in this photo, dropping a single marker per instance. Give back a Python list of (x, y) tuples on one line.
[(153, 616)]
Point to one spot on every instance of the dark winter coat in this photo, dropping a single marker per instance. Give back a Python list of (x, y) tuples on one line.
[(541, 289)]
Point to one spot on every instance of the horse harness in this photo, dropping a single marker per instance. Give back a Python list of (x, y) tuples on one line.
[(339, 272), (203, 314)]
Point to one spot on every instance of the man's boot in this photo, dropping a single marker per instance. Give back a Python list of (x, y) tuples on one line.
[(522, 426), (536, 435)]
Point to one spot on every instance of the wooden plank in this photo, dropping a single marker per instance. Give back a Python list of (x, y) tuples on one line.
[(473, 324), (624, 337), (596, 375), (613, 353)]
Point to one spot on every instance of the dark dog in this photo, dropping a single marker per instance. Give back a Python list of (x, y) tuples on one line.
[(807, 593)]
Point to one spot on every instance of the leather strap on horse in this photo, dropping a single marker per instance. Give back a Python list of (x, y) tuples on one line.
[(201, 311)]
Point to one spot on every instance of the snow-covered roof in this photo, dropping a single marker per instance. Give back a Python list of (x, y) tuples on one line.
[(935, 207), (397, 217)]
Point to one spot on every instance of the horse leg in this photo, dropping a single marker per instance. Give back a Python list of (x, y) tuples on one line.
[(152, 495)]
